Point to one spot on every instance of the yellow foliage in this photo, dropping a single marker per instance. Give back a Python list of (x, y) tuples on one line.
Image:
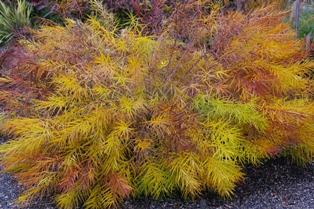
[(222, 175)]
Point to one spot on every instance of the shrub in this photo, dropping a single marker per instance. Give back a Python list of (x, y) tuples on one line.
[(129, 114), (306, 21)]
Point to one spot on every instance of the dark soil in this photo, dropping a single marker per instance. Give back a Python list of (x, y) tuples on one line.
[(275, 184)]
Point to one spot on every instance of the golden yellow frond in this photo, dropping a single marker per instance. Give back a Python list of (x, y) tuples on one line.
[(155, 179), (186, 167), (222, 175), (123, 130), (67, 200), (5, 79), (159, 124)]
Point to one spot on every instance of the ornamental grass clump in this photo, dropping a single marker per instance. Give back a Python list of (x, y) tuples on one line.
[(126, 114), (14, 19)]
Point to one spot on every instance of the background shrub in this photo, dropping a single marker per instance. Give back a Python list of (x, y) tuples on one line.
[(14, 20), (307, 20), (127, 114)]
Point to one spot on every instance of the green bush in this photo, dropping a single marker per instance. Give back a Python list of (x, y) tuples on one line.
[(14, 19), (306, 21), (128, 114)]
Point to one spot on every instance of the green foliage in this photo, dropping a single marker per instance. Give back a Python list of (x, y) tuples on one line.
[(128, 114), (46, 12), (13, 19), (243, 114), (306, 21)]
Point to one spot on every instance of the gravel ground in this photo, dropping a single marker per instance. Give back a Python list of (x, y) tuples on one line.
[(274, 185)]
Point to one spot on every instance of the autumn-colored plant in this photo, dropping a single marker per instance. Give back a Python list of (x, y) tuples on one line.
[(18, 86), (128, 114), (151, 13), (73, 8), (248, 5)]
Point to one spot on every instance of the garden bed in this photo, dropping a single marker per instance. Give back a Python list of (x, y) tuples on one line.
[(275, 184)]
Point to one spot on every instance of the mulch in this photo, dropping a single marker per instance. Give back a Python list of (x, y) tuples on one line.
[(276, 184)]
